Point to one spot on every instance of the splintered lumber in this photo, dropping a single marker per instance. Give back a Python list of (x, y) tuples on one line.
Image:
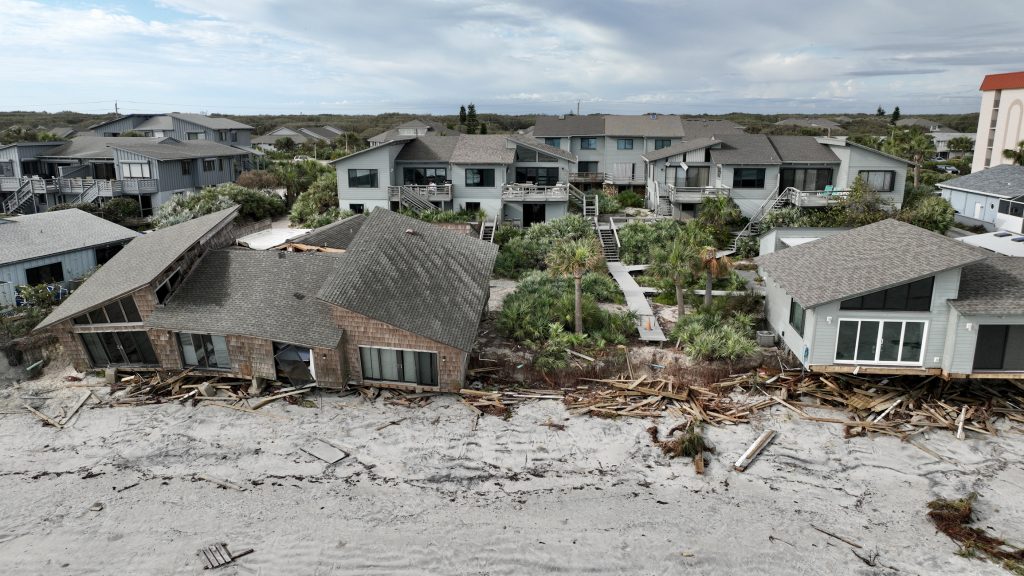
[(263, 402), (960, 423), (578, 355), (698, 462), (76, 408), (43, 417), (837, 537), (748, 457), (652, 392)]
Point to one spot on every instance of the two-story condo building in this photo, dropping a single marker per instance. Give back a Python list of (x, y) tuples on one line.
[(892, 298)]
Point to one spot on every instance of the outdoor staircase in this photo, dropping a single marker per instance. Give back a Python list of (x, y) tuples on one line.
[(588, 202), (487, 230), (88, 192), (408, 198), (17, 199), (773, 202), (609, 247), (664, 206)]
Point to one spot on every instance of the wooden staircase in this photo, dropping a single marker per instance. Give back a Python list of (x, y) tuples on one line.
[(609, 246), (487, 230), (408, 198), (17, 199), (773, 202), (588, 202)]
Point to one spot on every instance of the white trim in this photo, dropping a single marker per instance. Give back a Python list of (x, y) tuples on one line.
[(878, 342)]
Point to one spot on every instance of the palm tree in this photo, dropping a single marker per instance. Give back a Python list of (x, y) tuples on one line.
[(575, 258), (717, 213), (713, 266), (919, 148), (675, 265), (962, 144), (1016, 155)]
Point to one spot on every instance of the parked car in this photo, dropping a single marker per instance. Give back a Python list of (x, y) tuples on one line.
[(301, 158), (947, 169)]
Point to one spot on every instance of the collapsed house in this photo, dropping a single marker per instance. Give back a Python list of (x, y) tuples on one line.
[(892, 298), (400, 307)]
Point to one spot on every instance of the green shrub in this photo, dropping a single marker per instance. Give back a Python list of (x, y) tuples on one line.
[(253, 205), (712, 335), (505, 233), (608, 203), (318, 205), (637, 239), (630, 199), (447, 215), (748, 247), (933, 213), (525, 251)]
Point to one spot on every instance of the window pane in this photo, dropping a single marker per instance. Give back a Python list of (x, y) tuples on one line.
[(919, 295), (97, 316), (95, 349), (427, 362), (896, 297), (131, 313), (874, 301), (913, 337), (409, 366), (110, 346), (188, 352), (220, 350), (131, 350), (366, 360), (197, 343), (389, 365), (867, 341), (114, 312), (890, 351), (208, 352), (145, 347), (846, 343)]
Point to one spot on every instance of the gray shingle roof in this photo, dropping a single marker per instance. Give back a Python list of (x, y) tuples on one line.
[(50, 233), (263, 294), (483, 149), (1005, 180), (335, 235), (553, 126), (137, 264), (681, 148), (651, 125), (804, 149), (156, 123), (745, 149), (808, 122), (214, 123), (693, 129), (321, 132), (923, 123), (170, 149), (994, 286), (431, 282), (541, 147), (395, 132), (93, 146), (429, 148), (863, 260)]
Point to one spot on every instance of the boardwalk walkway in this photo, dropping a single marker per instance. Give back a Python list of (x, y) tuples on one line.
[(647, 322)]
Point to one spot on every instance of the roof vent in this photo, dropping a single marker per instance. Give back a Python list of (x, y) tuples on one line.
[(300, 296), (1002, 234), (280, 254), (411, 232), (1019, 239)]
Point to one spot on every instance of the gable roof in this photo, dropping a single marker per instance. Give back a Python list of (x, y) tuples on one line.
[(693, 129), (171, 149), (1006, 180), (652, 125), (415, 276), (50, 233), (429, 148), (924, 123), (337, 235), (322, 132), (377, 148), (555, 127), (215, 123), (263, 294), (994, 286), (156, 123), (864, 260), (681, 148), (803, 149), (483, 149), (745, 149), (138, 264), (541, 147), (86, 147), (395, 133), (808, 122), (1005, 81)]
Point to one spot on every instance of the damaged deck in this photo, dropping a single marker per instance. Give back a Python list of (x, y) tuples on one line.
[(647, 322)]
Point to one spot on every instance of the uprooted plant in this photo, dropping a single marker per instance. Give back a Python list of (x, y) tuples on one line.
[(689, 443), (952, 517)]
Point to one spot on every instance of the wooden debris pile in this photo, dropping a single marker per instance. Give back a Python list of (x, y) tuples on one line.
[(902, 406), (499, 402), (646, 397), (158, 387)]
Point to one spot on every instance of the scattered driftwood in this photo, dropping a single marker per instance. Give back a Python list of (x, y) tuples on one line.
[(748, 457), (837, 537), (78, 406), (221, 483), (392, 423), (218, 555), (951, 517), (689, 443), (46, 419), (157, 387)]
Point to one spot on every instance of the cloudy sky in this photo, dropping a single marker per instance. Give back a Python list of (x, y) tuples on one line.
[(428, 56)]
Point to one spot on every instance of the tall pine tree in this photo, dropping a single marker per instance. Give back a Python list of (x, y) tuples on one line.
[(462, 114), (895, 115), (472, 124)]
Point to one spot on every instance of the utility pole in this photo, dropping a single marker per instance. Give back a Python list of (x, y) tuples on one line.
[(577, 107), (115, 108)]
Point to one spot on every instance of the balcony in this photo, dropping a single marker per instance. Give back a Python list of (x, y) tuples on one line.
[(429, 192), (534, 193), (694, 194), (815, 198), (588, 177)]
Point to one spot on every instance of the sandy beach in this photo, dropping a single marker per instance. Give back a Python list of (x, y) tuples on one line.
[(445, 492)]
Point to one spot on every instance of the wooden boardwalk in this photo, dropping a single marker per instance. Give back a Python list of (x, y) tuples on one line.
[(647, 322)]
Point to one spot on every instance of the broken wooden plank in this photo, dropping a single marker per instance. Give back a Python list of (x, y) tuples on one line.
[(837, 537), (748, 457), (43, 417), (324, 451), (263, 402), (78, 406), (221, 483), (960, 423)]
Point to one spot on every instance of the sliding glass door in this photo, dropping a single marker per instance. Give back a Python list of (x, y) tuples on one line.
[(1000, 347), (107, 348), (880, 342), (394, 365)]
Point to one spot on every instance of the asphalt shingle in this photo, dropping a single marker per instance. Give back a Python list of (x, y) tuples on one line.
[(556, 127), (336, 235), (415, 276), (1005, 180), (137, 264), (864, 260), (50, 233), (992, 287), (803, 149), (681, 148), (263, 294), (429, 148), (739, 149)]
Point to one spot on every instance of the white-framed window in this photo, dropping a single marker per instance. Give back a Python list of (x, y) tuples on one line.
[(209, 164), (196, 136), (897, 342), (135, 170)]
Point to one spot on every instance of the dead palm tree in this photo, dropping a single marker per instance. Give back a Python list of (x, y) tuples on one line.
[(712, 265), (1015, 154), (574, 259)]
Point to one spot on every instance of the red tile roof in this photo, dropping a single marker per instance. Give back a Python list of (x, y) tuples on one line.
[(1008, 81)]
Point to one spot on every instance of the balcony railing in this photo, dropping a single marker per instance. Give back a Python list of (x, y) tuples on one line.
[(430, 193), (533, 193), (588, 177), (813, 199), (694, 194)]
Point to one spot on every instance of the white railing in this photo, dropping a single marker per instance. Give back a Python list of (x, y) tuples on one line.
[(532, 193), (816, 197), (588, 176), (435, 193), (692, 194)]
